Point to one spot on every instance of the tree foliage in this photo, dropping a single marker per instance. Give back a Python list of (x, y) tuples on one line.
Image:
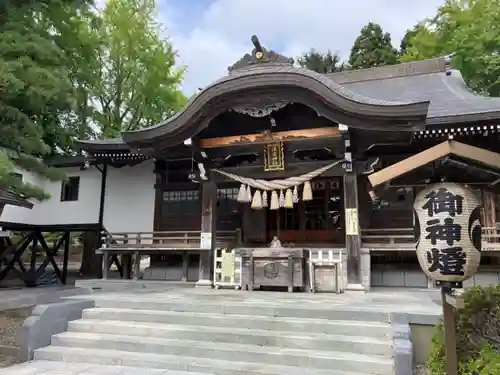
[(372, 48), (137, 84), (406, 42), (68, 72), (471, 30), (34, 88), (323, 63)]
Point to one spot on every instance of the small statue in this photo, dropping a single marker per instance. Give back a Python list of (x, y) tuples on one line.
[(275, 243)]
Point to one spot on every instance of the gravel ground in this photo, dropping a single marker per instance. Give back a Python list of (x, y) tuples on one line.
[(10, 324)]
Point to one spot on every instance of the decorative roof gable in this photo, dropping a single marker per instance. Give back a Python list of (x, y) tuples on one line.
[(259, 55)]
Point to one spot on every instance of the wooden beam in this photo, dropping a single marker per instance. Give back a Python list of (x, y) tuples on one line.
[(462, 150), (477, 154), (409, 164), (265, 137)]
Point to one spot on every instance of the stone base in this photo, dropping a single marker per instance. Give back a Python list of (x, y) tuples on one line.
[(204, 283), (356, 288)]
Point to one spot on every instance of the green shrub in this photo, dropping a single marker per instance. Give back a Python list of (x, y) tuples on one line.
[(486, 362), (478, 334)]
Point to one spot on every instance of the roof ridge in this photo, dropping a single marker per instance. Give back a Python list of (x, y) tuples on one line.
[(427, 66)]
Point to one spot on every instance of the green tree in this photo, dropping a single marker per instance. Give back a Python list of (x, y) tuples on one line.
[(138, 83), (406, 42), (321, 62), (372, 48), (469, 29), (34, 89), (82, 61)]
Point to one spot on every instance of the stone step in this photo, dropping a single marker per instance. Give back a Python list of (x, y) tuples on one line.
[(192, 366), (314, 325), (254, 308), (48, 367), (229, 352), (298, 339)]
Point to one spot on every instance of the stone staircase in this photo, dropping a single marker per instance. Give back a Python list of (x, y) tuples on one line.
[(236, 335)]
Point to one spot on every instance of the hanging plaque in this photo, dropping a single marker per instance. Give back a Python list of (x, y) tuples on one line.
[(351, 222), (274, 159), (448, 232)]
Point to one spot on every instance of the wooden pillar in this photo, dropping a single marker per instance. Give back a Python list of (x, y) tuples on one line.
[(352, 234), (161, 179), (208, 226), (351, 213), (67, 247), (160, 171), (489, 209)]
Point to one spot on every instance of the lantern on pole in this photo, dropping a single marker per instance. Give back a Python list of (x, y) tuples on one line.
[(448, 233)]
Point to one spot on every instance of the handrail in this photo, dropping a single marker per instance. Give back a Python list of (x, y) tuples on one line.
[(388, 237), (126, 240), (403, 238)]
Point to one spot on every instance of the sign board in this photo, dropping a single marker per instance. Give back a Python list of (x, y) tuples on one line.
[(274, 157), (206, 241), (351, 222)]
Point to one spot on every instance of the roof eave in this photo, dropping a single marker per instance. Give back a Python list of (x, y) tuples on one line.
[(101, 146), (341, 106), (469, 118)]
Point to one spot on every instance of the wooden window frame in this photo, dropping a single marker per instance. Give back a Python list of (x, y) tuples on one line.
[(65, 184)]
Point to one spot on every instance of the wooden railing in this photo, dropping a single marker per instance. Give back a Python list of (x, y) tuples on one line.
[(126, 244), (165, 239), (392, 239), (402, 239), (490, 239)]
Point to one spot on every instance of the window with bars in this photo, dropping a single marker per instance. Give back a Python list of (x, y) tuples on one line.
[(181, 210)]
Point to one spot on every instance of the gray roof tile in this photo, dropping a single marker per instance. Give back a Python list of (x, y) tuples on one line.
[(448, 94)]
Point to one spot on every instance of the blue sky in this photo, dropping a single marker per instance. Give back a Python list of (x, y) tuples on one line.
[(211, 35)]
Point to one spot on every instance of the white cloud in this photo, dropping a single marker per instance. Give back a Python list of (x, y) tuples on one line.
[(223, 30)]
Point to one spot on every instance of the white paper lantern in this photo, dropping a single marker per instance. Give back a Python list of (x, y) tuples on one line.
[(448, 232)]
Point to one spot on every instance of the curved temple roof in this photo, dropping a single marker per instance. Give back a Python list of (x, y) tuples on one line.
[(400, 97), (259, 86)]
